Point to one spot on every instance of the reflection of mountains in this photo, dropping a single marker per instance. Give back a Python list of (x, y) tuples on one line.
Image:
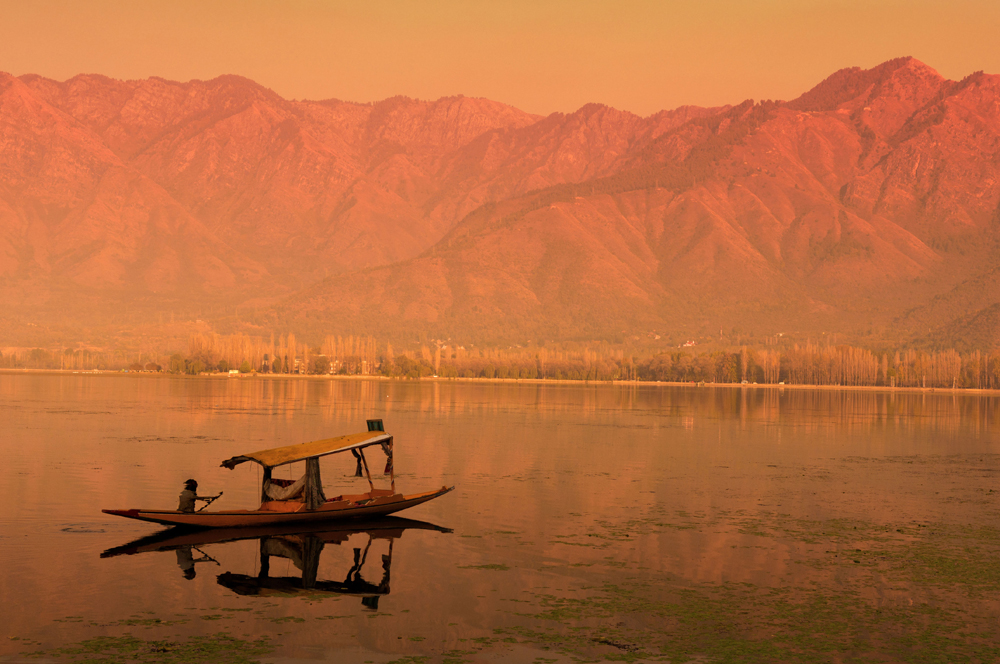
[(302, 546)]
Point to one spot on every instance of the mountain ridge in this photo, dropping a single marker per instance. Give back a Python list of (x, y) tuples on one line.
[(870, 198)]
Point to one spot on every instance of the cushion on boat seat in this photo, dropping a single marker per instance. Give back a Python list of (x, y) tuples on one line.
[(281, 506), (350, 497), (358, 497), (283, 491), (385, 500)]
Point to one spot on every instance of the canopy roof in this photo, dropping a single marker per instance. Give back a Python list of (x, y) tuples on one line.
[(279, 456)]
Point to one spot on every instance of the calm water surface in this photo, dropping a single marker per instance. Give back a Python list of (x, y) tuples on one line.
[(589, 522)]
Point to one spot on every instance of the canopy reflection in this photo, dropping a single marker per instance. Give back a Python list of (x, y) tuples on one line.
[(301, 546)]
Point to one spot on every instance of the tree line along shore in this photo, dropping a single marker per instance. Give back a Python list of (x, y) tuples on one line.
[(791, 364)]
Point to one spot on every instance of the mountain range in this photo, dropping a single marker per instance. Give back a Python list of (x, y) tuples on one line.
[(868, 206)]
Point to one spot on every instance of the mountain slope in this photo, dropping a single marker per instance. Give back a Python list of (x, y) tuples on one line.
[(75, 219), (838, 211), (871, 202)]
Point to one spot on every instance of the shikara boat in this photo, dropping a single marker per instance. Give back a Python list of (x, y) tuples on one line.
[(302, 501)]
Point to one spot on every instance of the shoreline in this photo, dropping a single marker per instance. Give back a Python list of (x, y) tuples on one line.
[(521, 381)]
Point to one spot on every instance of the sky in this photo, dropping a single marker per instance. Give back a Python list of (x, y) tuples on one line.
[(540, 56)]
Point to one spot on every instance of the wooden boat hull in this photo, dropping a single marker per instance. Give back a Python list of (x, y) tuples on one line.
[(331, 511), (383, 527)]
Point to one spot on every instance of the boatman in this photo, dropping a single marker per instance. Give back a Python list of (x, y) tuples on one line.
[(189, 495)]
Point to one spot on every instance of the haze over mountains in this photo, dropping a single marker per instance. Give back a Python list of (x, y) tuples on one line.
[(869, 206)]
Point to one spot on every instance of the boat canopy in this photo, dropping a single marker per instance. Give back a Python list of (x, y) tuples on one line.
[(280, 456)]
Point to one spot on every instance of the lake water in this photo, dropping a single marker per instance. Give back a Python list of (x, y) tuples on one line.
[(589, 522)]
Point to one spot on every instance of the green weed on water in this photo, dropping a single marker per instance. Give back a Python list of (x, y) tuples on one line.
[(889, 592), (492, 566), (216, 649)]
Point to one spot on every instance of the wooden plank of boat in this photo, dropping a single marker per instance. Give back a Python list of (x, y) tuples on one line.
[(378, 505)]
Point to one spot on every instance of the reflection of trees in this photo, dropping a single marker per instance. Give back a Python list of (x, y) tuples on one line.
[(346, 403), (847, 409)]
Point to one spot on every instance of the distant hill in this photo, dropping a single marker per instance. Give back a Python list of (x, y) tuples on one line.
[(868, 206)]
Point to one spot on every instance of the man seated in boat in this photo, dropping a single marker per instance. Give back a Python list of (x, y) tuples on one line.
[(189, 495)]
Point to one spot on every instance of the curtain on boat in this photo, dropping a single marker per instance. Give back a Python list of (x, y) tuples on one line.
[(387, 448)]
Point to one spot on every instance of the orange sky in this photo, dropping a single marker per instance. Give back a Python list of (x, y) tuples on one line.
[(539, 56)]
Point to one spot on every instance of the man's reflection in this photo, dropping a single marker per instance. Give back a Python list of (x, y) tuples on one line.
[(186, 560)]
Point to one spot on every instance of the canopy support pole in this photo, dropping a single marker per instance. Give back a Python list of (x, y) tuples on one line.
[(314, 496), (264, 485), (367, 474), (390, 467)]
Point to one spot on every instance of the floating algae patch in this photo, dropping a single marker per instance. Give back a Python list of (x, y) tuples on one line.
[(856, 591), (216, 649), (141, 622), (742, 623), (936, 555), (497, 567), (946, 556)]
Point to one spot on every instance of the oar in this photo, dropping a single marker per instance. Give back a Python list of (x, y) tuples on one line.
[(205, 555), (209, 502)]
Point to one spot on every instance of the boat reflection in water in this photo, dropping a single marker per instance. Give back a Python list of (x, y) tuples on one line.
[(300, 545)]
